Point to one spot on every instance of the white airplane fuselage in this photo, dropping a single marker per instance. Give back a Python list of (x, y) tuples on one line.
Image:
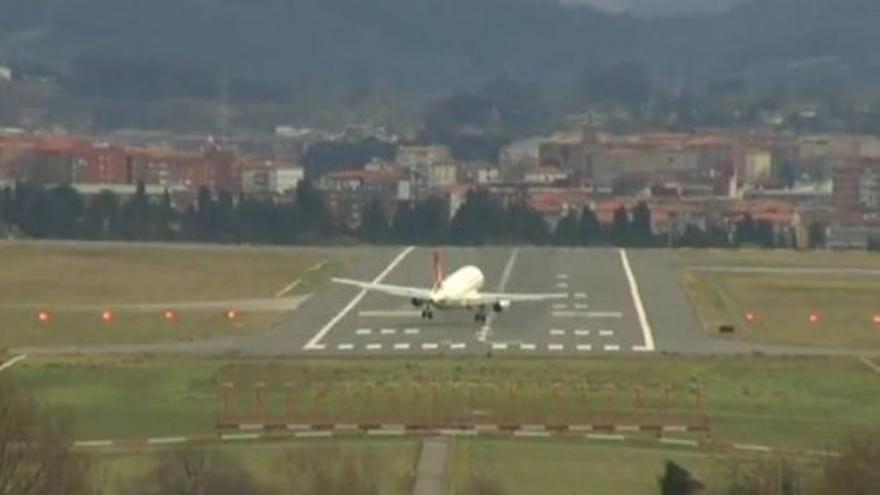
[(458, 288)]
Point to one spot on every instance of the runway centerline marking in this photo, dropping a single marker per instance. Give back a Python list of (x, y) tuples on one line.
[(647, 333), (313, 343), (556, 347), (364, 331), (374, 347), (345, 347), (584, 347)]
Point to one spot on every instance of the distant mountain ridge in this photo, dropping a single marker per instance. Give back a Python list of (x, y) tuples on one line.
[(429, 45)]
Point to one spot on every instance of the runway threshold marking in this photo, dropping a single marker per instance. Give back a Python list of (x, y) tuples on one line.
[(647, 333), (389, 313), (313, 344)]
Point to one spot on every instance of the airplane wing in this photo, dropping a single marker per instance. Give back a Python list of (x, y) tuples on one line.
[(391, 290), (493, 297)]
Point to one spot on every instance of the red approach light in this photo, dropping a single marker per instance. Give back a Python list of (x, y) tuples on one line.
[(44, 317), (751, 317), (169, 315), (815, 317), (877, 319), (232, 315), (107, 316)]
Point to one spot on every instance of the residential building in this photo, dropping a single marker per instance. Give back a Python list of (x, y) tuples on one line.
[(856, 194)]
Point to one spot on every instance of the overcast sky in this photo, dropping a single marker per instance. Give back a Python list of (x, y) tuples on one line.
[(660, 7)]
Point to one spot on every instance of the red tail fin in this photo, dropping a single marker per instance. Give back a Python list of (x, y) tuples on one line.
[(439, 270)]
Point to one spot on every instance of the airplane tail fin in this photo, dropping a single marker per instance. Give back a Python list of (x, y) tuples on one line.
[(439, 269)]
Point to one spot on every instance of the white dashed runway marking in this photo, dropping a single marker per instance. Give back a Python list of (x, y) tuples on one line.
[(411, 331), (388, 331), (556, 347), (527, 347), (560, 306), (581, 306), (401, 347), (612, 348), (345, 347), (580, 295), (499, 347), (606, 333), (557, 332), (562, 285), (562, 276), (364, 331), (458, 346), (582, 333), (430, 346), (584, 347), (374, 347)]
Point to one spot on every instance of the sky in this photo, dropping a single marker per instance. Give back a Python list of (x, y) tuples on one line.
[(659, 7)]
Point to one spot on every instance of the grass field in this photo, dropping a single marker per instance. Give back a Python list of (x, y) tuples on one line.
[(390, 463), (525, 467), (794, 402), (774, 258), (781, 305), (60, 278)]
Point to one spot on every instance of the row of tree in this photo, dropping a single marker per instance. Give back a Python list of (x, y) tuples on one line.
[(62, 213)]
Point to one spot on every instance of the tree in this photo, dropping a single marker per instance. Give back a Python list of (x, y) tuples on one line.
[(620, 228), (817, 237), (102, 216), (374, 223), (404, 225), (677, 480), (745, 231), (642, 234), (567, 233), (315, 217), (36, 449), (166, 218), (64, 209), (136, 215), (590, 229), (479, 220)]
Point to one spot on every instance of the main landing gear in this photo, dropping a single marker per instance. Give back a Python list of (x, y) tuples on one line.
[(427, 314), (480, 316)]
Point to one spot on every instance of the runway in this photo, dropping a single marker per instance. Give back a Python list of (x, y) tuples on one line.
[(605, 312)]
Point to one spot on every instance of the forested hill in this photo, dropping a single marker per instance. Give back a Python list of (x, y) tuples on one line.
[(432, 44)]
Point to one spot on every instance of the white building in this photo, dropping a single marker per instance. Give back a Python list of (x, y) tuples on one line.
[(5, 74)]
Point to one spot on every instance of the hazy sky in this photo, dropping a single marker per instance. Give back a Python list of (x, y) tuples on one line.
[(661, 7)]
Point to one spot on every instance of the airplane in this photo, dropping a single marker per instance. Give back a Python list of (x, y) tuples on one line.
[(461, 289)]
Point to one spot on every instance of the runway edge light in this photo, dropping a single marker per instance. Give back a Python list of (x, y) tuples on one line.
[(815, 317), (169, 315), (876, 319), (232, 315), (44, 317), (107, 316), (751, 317)]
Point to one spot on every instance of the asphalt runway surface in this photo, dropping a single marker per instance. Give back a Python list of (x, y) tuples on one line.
[(599, 316)]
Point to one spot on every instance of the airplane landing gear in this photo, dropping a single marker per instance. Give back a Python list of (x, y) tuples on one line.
[(480, 316), (427, 314)]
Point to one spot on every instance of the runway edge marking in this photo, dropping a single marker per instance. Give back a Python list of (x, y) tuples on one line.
[(313, 343), (637, 302)]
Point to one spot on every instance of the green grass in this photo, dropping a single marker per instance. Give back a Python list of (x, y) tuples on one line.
[(774, 258), (390, 462), (575, 467), (782, 305), (60, 278), (792, 402)]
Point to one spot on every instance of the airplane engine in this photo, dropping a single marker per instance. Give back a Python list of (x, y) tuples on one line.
[(417, 302), (500, 306)]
